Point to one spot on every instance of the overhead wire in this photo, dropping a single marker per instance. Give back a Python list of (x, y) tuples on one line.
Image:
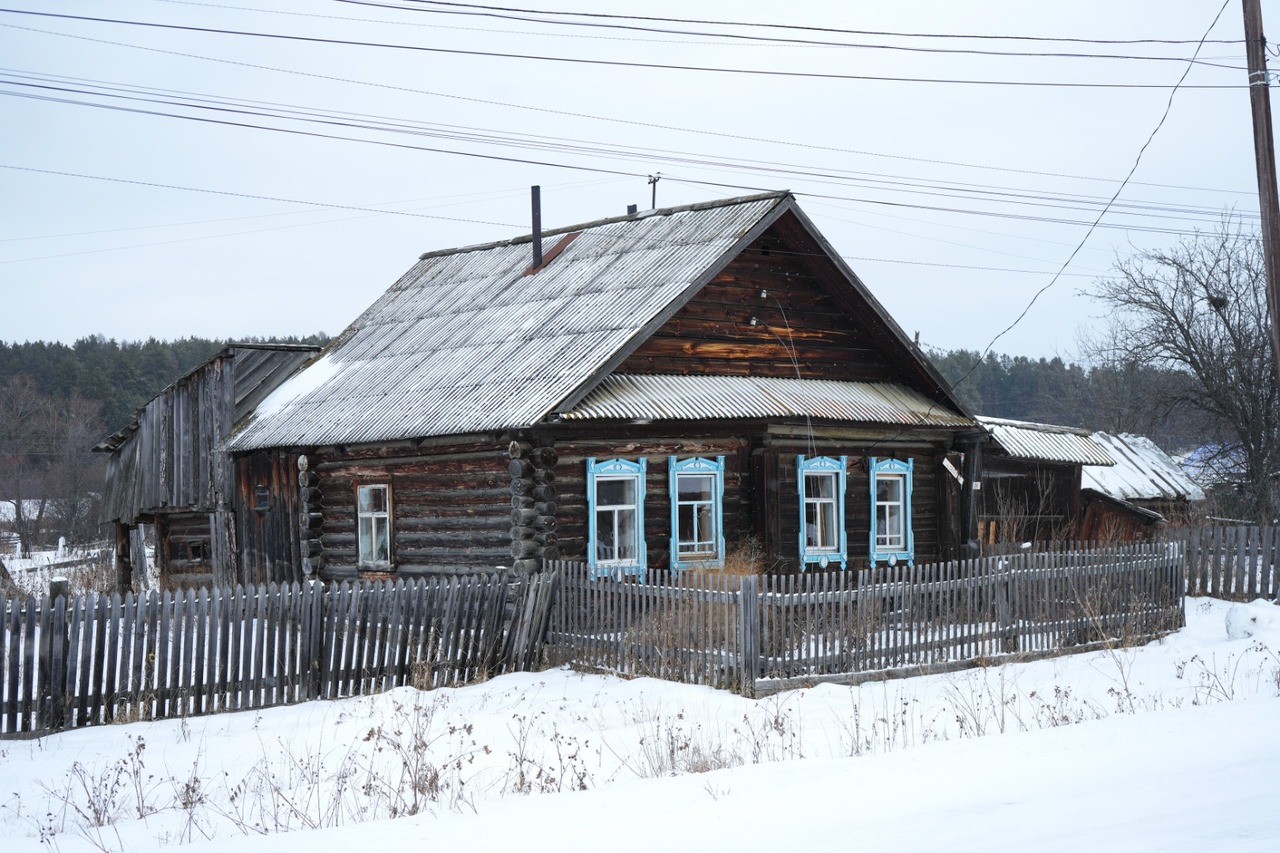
[(526, 16), (616, 63), (525, 141), (617, 120), (812, 28)]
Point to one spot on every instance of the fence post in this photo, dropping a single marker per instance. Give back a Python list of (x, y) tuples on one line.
[(53, 658), (1004, 605), (749, 634), (313, 632)]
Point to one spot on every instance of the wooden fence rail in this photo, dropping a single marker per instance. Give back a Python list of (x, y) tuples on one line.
[(75, 661), (761, 634)]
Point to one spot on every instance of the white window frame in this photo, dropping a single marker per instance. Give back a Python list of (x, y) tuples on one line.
[(700, 468), (373, 519), (835, 468), (614, 470)]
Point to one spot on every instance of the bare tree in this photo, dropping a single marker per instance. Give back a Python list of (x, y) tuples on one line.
[(47, 471), (1200, 309)]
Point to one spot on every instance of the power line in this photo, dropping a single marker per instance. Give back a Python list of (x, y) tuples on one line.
[(615, 63), (800, 27), (527, 16), (622, 121), (231, 194), (1023, 200)]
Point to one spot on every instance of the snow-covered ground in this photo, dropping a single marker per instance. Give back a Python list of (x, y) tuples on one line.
[(1172, 746)]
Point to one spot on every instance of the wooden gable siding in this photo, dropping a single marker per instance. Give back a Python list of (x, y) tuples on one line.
[(450, 507), (171, 461), (801, 328), (571, 482)]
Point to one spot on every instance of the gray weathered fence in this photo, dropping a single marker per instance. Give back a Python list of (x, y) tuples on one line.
[(761, 634), (74, 661), (1233, 562)]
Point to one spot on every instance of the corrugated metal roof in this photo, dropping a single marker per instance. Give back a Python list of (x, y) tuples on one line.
[(465, 342), (645, 397), (1141, 471), (1045, 442)]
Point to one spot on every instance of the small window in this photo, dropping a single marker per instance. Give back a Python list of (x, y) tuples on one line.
[(261, 498), (615, 498), (821, 482), (697, 512), (891, 537), (373, 524)]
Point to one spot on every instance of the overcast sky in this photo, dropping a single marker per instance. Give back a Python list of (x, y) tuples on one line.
[(143, 197)]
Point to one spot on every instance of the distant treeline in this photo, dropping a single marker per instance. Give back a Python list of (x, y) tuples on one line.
[(121, 375), (1113, 398)]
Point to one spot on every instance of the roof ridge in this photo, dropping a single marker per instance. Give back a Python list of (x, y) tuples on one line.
[(643, 214)]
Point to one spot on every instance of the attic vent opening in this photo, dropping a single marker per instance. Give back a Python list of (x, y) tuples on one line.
[(765, 250)]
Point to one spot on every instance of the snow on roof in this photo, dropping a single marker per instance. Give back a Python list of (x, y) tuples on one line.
[(1141, 471)]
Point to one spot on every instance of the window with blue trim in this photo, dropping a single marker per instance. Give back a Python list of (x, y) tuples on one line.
[(615, 504), (821, 482), (892, 540), (697, 512)]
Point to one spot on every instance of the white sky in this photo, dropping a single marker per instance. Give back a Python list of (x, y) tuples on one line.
[(1170, 746), (80, 256)]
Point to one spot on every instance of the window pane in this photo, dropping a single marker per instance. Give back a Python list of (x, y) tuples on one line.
[(626, 521), (366, 540), (820, 524), (889, 489), (695, 488), (373, 498), (605, 548), (616, 492), (381, 547), (820, 485), (616, 535)]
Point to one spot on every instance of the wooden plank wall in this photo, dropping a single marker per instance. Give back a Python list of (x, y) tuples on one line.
[(763, 634), (84, 660)]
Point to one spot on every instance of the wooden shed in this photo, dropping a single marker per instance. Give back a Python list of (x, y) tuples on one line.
[(649, 391), (1031, 475), (1141, 490), (216, 520)]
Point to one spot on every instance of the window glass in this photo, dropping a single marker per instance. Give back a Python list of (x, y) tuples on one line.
[(373, 525), (615, 497)]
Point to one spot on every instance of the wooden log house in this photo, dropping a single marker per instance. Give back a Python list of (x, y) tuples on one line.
[(216, 520), (651, 391)]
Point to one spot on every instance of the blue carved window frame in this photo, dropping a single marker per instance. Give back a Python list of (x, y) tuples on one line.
[(615, 470), (837, 548), (697, 467), (885, 547)]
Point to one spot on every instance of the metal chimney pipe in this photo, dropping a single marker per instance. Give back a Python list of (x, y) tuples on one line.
[(536, 194)]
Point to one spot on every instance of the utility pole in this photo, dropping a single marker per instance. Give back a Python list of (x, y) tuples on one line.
[(1264, 153)]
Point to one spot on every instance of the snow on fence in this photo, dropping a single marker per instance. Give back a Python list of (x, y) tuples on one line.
[(1233, 562), (758, 635), (75, 661)]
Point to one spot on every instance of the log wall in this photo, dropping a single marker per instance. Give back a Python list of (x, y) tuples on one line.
[(451, 507)]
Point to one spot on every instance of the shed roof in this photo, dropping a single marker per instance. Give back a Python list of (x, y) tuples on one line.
[(472, 340), (1141, 471), (1046, 442)]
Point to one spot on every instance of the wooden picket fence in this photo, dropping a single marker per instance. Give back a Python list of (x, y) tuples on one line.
[(1232, 562), (68, 661), (758, 635)]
